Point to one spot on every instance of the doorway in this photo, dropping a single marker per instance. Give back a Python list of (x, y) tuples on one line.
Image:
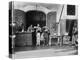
[(51, 23), (69, 27), (33, 18)]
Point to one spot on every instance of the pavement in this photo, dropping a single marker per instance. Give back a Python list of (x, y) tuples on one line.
[(51, 51)]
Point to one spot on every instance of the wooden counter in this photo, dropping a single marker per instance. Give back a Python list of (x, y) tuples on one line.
[(23, 39)]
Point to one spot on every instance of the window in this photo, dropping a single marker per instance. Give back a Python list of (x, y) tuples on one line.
[(70, 9)]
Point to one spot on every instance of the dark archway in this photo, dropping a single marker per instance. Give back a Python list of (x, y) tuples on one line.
[(35, 17)]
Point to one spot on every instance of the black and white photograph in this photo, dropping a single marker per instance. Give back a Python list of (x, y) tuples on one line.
[(42, 30)]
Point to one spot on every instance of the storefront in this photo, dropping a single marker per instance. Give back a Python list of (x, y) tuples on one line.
[(52, 16)]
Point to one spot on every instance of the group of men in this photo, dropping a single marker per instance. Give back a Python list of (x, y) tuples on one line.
[(40, 35)]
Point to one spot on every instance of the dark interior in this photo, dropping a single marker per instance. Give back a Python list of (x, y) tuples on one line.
[(69, 27), (35, 17)]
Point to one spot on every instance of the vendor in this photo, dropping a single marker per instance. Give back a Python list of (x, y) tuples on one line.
[(30, 28)]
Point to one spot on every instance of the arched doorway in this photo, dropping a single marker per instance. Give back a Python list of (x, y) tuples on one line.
[(35, 17), (51, 23)]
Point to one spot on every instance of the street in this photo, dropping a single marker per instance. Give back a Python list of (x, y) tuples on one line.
[(48, 52)]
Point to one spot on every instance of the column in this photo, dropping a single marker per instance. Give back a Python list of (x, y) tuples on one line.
[(58, 33)]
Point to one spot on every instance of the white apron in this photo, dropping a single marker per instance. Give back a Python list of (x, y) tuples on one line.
[(38, 38)]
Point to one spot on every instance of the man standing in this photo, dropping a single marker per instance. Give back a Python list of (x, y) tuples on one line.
[(46, 36), (38, 30)]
